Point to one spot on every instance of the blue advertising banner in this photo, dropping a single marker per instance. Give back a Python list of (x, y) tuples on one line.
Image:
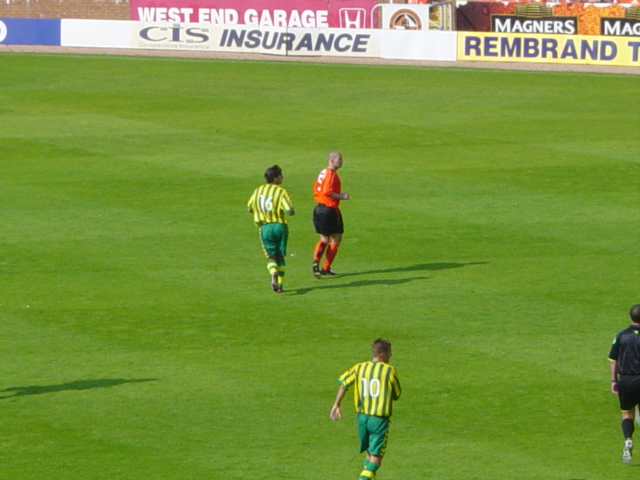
[(29, 31)]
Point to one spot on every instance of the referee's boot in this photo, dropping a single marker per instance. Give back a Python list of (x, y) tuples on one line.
[(626, 453)]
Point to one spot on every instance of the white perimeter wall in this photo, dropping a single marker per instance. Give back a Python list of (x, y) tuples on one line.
[(95, 33)]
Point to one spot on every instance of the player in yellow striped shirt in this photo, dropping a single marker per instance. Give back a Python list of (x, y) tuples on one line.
[(375, 387), (269, 204)]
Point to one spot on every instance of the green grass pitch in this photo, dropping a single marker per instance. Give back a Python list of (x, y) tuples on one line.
[(492, 235)]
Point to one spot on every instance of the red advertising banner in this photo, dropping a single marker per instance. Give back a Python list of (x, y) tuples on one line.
[(260, 13)]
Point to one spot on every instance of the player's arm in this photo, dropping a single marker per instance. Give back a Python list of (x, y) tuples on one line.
[(250, 203), (396, 389), (287, 205), (329, 188), (336, 195), (340, 196), (290, 210), (613, 365), (335, 409)]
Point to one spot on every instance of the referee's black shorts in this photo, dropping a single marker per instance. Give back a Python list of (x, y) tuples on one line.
[(628, 391), (327, 220)]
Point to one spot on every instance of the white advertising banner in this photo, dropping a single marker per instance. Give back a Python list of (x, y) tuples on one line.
[(336, 42), (247, 39)]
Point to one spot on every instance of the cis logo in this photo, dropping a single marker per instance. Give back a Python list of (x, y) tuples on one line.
[(405, 20), (175, 33)]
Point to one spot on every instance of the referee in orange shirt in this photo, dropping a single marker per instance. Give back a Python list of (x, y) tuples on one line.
[(327, 219)]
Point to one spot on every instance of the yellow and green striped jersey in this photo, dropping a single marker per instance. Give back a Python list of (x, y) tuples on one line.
[(269, 204), (376, 386)]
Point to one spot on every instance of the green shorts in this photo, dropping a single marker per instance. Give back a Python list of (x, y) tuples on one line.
[(373, 433), (274, 238)]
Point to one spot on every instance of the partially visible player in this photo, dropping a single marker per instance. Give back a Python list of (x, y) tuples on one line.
[(624, 357), (269, 204), (327, 218), (375, 387)]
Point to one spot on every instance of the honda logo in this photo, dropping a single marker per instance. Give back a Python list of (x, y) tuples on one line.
[(353, 18)]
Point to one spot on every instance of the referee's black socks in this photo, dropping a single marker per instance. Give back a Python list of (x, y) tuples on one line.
[(627, 428)]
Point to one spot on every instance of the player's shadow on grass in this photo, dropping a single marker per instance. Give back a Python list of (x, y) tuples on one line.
[(75, 385), (359, 283), (432, 267)]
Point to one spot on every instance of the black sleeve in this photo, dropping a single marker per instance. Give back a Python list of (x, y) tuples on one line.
[(613, 353)]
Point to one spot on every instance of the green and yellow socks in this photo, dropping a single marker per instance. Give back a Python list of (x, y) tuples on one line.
[(276, 267), (369, 471)]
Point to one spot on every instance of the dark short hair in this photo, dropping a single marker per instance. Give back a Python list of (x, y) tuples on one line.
[(272, 172), (380, 345), (634, 313)]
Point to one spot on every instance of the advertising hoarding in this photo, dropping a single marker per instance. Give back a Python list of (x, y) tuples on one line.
[(261, 13), (548, 18), (390, 44), (251, 39), (29, 31), (536, 48)]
